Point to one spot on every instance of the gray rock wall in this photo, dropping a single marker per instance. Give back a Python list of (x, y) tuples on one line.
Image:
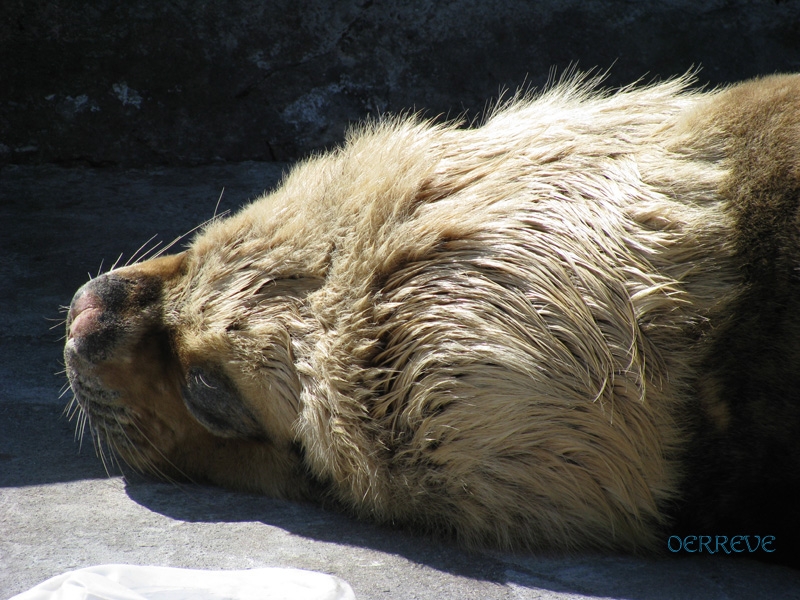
[(197, 81)]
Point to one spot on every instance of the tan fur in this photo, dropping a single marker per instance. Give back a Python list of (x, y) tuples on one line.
[(489, 332)]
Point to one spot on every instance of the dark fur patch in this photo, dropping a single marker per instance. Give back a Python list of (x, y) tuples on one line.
[(213, 400), (742, 468)]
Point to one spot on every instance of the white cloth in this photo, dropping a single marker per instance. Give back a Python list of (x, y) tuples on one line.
[(130, 582)]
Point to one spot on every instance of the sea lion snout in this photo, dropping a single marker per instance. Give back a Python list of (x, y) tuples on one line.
[(114, 317), (113, 310), (96, 318)]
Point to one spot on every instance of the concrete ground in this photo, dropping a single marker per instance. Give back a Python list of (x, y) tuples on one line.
[(60, 511)]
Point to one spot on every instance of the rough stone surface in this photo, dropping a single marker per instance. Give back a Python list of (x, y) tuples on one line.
[(59, 511), (183, 82)]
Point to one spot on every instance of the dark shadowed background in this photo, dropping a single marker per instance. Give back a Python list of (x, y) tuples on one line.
[(185, 82), (120, 120)]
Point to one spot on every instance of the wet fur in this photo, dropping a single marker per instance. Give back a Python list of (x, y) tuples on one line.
[(550, 331)]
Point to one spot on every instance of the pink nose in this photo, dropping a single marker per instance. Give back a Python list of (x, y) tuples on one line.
[(83, 314)]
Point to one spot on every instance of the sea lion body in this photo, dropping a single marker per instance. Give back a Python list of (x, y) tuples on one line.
[(571, 327)]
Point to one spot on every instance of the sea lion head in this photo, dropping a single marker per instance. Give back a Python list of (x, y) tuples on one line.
[(161, 388)]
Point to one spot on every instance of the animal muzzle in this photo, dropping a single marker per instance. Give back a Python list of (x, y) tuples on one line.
[(94, 322), (107, 311)]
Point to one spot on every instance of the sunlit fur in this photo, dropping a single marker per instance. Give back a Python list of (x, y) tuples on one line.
[(492, 333)]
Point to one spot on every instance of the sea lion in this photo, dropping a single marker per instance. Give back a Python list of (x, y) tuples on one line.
[(573, 326)]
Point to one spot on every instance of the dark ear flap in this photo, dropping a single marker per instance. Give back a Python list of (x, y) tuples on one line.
[(213, 400)]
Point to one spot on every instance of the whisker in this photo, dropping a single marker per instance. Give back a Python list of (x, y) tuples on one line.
[(190, 232), (68, 407), (161, 454), (116, 262), (171, 244), (130, 457), (82, 429), (150, 251), (134, 457), (98, 448), (113, 453), (217, 206), (133, 256)]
